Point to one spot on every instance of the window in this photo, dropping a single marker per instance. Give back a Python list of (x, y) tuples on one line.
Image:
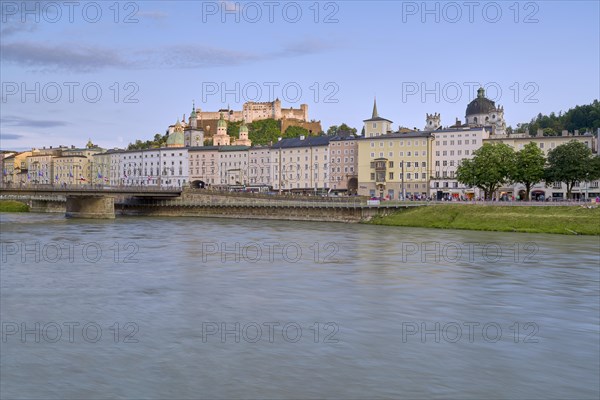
[(391, 164), (391, 175)]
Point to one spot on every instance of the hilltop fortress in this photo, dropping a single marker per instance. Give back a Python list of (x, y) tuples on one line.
[(251, 111)]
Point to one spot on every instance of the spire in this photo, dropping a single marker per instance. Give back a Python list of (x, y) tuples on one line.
[(375, 114)]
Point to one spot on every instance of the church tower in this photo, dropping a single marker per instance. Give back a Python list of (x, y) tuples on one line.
[(377, 126), (221, 138), (432, 122), (243, 137)]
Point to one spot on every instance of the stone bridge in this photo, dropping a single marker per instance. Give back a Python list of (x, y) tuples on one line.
[(105, 203)]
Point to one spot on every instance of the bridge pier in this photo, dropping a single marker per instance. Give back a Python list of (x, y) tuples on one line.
[(99, 207)]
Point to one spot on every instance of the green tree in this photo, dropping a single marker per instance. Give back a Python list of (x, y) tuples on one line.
[(296, 131), (490, 168), (233, 129), (334, 129), (585, 118), (264, 131), (529, 167), (570, 163)]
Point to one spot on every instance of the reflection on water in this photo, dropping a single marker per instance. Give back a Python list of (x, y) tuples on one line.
[(210, 308)]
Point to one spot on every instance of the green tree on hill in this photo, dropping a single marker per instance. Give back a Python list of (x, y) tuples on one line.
[(585, 118), (158, 141), (491, 167), (264, 131), (296, 131), (529, 167)]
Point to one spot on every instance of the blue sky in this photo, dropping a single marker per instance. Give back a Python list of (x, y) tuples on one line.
[(416, 57)]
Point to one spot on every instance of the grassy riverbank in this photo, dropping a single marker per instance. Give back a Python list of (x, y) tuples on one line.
[(534, 219), (13, 206)]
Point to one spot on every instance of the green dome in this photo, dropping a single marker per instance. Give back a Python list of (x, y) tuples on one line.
[(222, 123), (175, 139), (243, 128)]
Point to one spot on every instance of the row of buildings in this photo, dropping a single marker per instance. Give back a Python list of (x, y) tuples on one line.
[(384, 163)]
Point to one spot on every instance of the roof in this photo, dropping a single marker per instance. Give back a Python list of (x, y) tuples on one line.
[(397, 135), (376, 119), (481, 104), (310, 141)]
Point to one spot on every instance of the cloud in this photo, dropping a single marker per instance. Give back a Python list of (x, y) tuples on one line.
[(65, 57), (192, 57), (10, 136), (78, 58), (31, 123)]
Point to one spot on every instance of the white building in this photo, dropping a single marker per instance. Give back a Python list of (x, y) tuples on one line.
[(449, 148), (259, 161), (301, 164), (164, 167)]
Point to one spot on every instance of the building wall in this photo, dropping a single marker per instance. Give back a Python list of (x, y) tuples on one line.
[(233, 166), (449, 148), (397, 156), (547, 143), (259, 161), (377, 128), (304, 168), (204, 165), (40, 169), (164, 167), (71, 170), (344, 162)]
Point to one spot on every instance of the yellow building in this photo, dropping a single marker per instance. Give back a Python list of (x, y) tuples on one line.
[(40, 168), (377, 126), (71, 170), (100, 167), (395, 165), (14, 168)]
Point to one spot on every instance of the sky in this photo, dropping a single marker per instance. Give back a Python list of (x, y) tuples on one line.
[(115, 72)]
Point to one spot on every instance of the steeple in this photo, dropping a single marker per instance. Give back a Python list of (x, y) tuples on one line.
[(375, 114)]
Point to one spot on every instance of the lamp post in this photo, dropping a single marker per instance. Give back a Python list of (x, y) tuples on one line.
[(402, 175)]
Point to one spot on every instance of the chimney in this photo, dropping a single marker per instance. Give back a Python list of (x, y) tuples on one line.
[(540, 132), (576, 132), (565, 132), (279, 139), (302, 137), (50, 146)]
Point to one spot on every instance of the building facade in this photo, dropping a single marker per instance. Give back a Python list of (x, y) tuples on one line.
[(394, 166), (449, 148)]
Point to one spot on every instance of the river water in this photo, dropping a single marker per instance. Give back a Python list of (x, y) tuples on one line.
[(215, 308)]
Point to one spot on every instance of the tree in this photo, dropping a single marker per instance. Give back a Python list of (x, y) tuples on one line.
[(335, 130), (490, 168), (585, 118), (529, 167), (295, 131), (264, 131), (570, 163)]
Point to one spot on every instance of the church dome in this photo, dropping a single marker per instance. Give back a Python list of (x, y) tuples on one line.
[(243, 128), (175, 139), (480, 105), (221, 123)]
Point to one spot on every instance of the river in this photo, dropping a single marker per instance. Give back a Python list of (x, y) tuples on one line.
[(221, 308)]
